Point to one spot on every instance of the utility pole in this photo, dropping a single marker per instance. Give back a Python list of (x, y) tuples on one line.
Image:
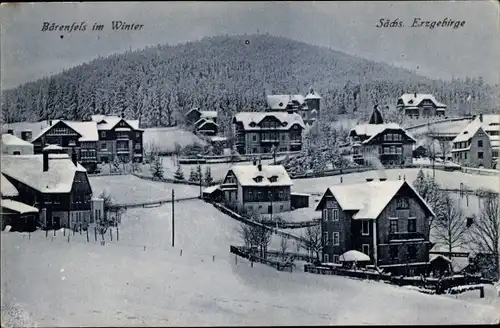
[(173, 216)]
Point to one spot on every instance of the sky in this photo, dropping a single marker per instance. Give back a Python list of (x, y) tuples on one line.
[(28, 53)]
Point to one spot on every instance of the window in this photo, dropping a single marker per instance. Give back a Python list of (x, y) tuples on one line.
[(412, 252), (470, 221), (465, 156), (16, 152), (365, 228), (403, 203), (480, 143), (103, 134), (325, 214), (254, 137), (393, 228), (283, 137), (336, 259), (480, 154), (326, 258), (325, 238), (336, 239), (335, 215), (254, 150), (412, 224), (137, 135), (365, 248), (394, 252), (281, 207), (104, 146), (494, 153), (250, 208), (387, 150), (137, 146)]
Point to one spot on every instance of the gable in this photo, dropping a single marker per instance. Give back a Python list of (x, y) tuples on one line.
[(60, 126), (122, 124), (230, 177), (269, 121)]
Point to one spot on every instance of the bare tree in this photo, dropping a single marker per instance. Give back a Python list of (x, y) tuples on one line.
[(428, 189), (313, 242), (451, 230), (485, 231), (283, 247), (444, 147)]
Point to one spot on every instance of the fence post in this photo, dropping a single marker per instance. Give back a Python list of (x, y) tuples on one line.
[(110, 234), (54, 231), (88, 235), (47, 233), (95, 233), (117, 234), (29, 234), (181, 253), (481, 292), (213, 258), (64, 231), (80, 228), (68, 236), (144, 247), (236, 259)]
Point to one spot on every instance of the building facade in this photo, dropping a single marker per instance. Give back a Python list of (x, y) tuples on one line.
[(478, 144), (417, 105), (118, 138), (307, 107), (263, 132), (257, 188), (12, 145), (386, 220), (56, 184), (377, 141)]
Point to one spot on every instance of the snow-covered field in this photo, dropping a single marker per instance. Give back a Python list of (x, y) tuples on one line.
[(127, 189), (123, 284), (442, 127), (164, 139)]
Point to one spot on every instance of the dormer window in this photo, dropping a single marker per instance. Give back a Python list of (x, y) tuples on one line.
[(466, 132), (280, 104), (274, 178), (410, 101), (252, 124), (284, 124), (258, 178)]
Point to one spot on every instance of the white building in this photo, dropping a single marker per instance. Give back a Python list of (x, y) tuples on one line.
[(13, 145)]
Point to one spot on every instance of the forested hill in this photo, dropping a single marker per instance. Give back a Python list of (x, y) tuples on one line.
[(226, 73)]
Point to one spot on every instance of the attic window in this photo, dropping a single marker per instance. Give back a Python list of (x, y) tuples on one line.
[(285, 123), (466, 132), (280, 104), (258, 178), (252, 124), (494, 124), (274, 178), (410, 101)]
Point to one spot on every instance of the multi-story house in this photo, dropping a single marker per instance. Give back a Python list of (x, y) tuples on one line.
[(386, 220), (378, 141), (260, 132), (307, 107), (79, 136), (12, 145), (257, 188), (206, 127), (417, 105), (118, 138), (195, 114), (478, 144), (54, 183)]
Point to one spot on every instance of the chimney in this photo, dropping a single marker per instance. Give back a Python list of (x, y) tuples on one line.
[(45, 155), (10, 131), (369, 179), (415, 94), (481, 117), (72, 144)]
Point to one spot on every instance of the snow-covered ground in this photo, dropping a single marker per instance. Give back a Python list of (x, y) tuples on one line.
[(126, 189), (123, 284), (164, 139)]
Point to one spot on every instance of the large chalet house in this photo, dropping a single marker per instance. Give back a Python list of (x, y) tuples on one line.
[(478, 144), (261, 132), (119, 138), (100, 140), (417, 105), (53, 183), (307, 107), (257, 188), (386, 220), (378, 141), (203, 121)]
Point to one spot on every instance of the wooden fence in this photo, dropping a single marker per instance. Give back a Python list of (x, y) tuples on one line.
[(154, 203), (291, 225), (242, 252)]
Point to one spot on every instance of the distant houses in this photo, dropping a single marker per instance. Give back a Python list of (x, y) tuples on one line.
[(386, 220), (307, 107), (204, 122), (52, 186), (264, 132), (12, 145), (377, 141), (417, 105), (257, 188), (478, 144)]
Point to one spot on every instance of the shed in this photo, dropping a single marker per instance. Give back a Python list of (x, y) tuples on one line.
[(439, 264), (299, 200), (213, 193), (20, 216)]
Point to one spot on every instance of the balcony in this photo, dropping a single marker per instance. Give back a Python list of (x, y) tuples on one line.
[(405, 236), (122, 136), (296, 142), (271, 140), (122, 150)]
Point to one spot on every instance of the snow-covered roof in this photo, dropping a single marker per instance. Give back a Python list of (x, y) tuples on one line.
[(105, 122), (491, 122), (28, 169), (211, 189), (11, 140), (354, 255), (87, 130), (18, 207), (409, 99), (247, 175), (373, 130), (313, 95), (287, 119), (52, 147), (207, 122), (208, 113), (7, 188), (369, 199), (195, 109), (218, 138), (281, 101)]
